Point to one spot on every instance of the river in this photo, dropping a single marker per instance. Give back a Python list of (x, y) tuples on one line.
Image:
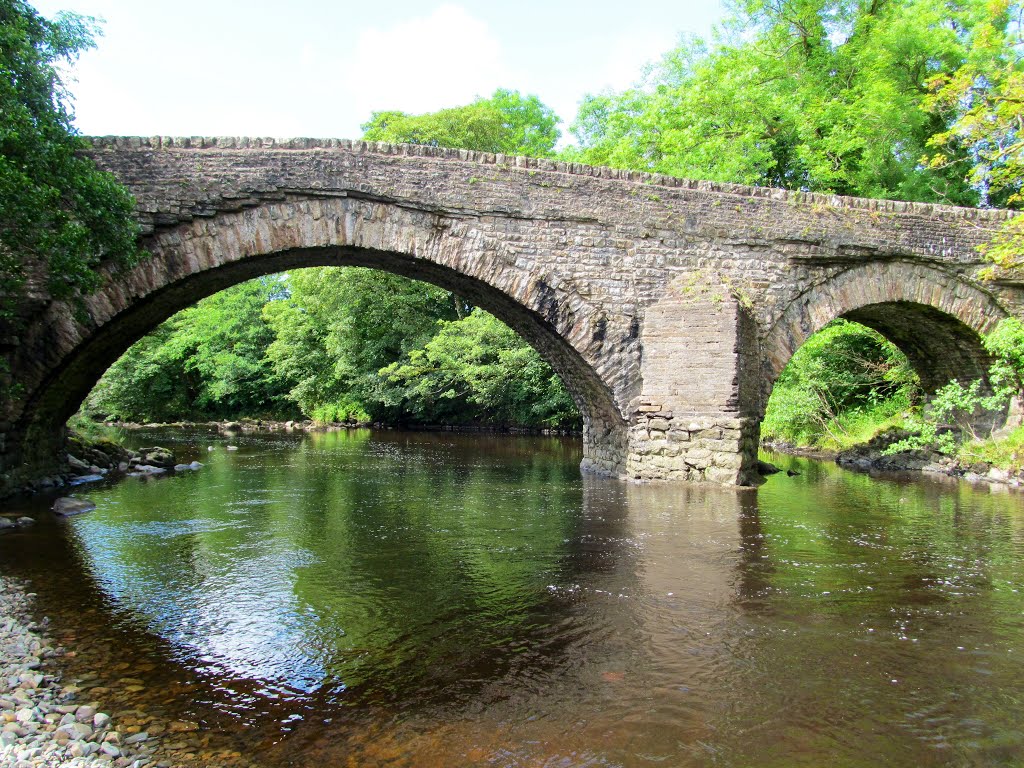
[(436, 599)]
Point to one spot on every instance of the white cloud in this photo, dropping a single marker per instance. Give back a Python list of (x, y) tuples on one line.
[(423, 64)]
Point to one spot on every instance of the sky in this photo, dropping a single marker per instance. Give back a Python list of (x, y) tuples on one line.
[(318, 68)]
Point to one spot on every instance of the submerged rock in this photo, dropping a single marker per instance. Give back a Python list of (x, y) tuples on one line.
[(766, 468), (147, 470), (67, 506), (82, 479)]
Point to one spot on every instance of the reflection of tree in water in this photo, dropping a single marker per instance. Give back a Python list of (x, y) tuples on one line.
[(439, 604)]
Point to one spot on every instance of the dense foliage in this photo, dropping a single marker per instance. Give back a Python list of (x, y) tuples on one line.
[(802, 94), (340, 326), (839, 387), (956, 410), (56, 209), (478, 366), (983, 101), (208, 361), (507, 123)]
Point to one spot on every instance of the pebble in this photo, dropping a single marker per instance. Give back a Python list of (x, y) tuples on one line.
[(41, 726)]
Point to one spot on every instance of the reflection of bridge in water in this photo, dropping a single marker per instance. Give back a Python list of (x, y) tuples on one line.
[(667, 306)]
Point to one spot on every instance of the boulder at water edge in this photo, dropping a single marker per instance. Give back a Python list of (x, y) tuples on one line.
[(156, 457), (68, 506)]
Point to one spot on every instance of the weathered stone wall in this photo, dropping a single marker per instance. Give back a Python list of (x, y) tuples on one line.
[(668, 306), (696, 417)]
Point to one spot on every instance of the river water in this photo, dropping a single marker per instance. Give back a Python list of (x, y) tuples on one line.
[(397, 599)]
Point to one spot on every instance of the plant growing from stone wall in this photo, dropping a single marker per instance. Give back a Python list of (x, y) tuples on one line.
[(954, 411)]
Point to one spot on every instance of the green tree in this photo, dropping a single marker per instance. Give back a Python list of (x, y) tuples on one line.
[(983, 104), (842, 382), (477, 370), (802, 94), (208, 361), (147, 383), (57, 210), (340, 326), (507, 123), (956, 411)]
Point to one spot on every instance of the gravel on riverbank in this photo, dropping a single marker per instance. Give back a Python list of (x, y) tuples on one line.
[(43, 723)]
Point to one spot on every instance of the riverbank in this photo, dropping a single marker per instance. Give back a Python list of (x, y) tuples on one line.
[(872, 457), (307, 425), (47, 722), (93, 457)]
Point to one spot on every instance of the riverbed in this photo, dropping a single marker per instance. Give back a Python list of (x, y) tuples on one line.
[(392, 599)]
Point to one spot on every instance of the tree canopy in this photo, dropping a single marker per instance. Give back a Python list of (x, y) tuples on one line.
[(507, 123), (828, 95), (208, 361), (57, 210), (982, 103)]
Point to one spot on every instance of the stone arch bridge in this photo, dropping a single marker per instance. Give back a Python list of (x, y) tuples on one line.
[(667, 306)]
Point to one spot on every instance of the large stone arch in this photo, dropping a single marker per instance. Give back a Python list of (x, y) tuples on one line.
[(936, 318), (65, 354)]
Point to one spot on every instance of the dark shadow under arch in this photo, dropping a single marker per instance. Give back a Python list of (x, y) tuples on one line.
[(940, 347)]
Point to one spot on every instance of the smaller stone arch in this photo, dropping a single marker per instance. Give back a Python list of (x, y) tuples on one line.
[(936, 318)]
